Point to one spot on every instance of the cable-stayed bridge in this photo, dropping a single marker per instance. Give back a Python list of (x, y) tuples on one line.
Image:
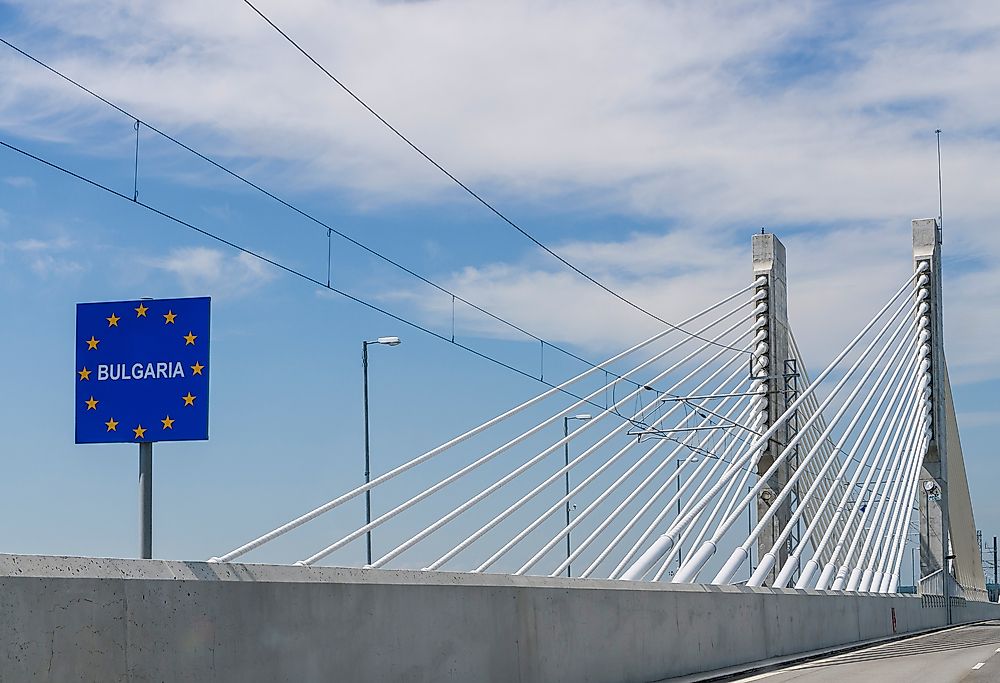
[(704, 455), (696, 502)]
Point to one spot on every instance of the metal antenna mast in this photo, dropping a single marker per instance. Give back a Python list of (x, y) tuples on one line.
[(940, 194)]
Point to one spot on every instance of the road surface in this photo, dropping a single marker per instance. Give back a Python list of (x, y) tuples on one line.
[(967, 653)]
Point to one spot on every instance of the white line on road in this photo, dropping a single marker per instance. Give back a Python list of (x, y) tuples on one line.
[(853, 651), (978, 666)]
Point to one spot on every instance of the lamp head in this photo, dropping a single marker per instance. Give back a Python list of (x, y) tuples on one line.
[(389, 341)]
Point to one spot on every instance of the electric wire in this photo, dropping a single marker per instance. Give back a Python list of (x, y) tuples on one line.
[(293, 271), (496, 485), (472, 193), (305, 214)]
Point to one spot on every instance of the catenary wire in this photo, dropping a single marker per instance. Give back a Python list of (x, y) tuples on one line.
[(472, 193), (297, 273), (292, 207)]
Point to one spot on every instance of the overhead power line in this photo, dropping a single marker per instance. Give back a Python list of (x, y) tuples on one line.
[(297, 273), (472, 193), (277, 264), (305, 214)]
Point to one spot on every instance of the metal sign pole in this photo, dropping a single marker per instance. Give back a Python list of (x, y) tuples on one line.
[(146, 500)]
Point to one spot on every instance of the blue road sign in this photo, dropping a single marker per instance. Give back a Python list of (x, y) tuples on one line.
[(142, 370)]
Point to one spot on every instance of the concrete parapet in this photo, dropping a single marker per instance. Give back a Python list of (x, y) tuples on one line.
[(75, 619)]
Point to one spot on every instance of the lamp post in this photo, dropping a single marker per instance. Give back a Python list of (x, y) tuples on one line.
[(583, 417), (387, 341)]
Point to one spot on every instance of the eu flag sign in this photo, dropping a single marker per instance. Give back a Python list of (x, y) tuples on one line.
[(142, 370)]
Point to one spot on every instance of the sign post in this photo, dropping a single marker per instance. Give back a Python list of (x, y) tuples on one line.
[(142, 376), (146, 500)]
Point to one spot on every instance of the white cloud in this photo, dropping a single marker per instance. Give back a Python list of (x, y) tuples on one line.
[(201, 270), (46, 258), (836, 281), (47, 265), (678, 109), (19, 182), (33, 244), (709, 115)]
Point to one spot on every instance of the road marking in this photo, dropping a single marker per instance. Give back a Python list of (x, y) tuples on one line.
[(761, 677), (854, 651), (997, 650), (978, 666)]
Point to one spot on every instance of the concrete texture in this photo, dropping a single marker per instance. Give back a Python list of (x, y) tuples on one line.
[(769, 260), (74, 619)]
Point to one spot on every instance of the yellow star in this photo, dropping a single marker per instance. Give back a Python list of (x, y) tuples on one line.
[(189, 399), (92, 343), (112, 425), (197, 368), (140, 432), (92, 403), (168, 422), (189, 339), (141, 311), (169, 315), (113, 320), (84, 374)]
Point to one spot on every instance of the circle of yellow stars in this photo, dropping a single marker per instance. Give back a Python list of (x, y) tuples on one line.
[(169, 318)]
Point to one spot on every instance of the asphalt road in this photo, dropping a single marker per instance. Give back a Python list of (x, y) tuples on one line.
[(967, 653)]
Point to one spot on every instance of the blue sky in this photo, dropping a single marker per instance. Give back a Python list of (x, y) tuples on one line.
[(644, 141)]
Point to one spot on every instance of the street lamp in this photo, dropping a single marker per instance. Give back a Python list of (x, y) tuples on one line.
[(386, 341), (583, 417)]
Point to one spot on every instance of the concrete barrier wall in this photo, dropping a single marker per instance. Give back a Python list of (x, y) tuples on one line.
[(74, 619)]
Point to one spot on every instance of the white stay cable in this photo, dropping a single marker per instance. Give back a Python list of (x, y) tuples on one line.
[(888, 567), (638, 516), (871, 578), (892, 507), (731, 496), (700, 448), (630, 524), (891, 581), (719, 461), (709, 520), (340, 500), (769, 558), (558, 505), (881, 410), (732, 492), (690, 571), (883, 509), (887, 507), (541, 456), (357, 533), (811, 406), (757, 387), (664, 512), (885, 434), (890, 446), (582, 515), (667, 540)]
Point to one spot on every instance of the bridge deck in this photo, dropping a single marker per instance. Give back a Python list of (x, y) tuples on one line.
[(964, 653)]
